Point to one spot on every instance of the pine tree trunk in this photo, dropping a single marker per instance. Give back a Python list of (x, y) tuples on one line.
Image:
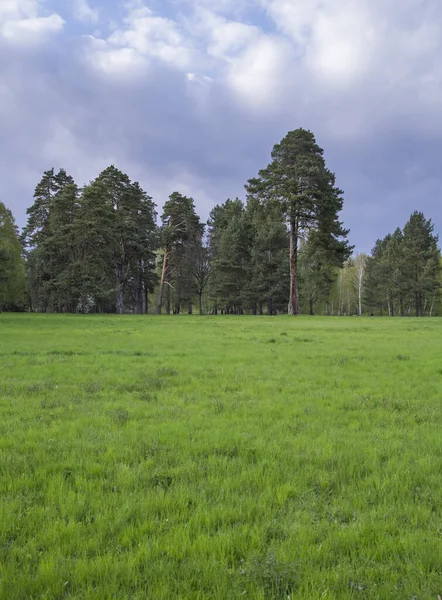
[(29, 297), (341, 294), (120, 304), (293, 308), (119, 291), (140, 301), (168, 300)]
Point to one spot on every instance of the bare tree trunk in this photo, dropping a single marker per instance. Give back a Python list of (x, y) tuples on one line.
[(431, 307), (200, 303), (293, 308), (361, 265), (163, 277)]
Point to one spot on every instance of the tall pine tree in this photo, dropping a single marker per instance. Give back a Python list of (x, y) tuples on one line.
[(299, 184), (181, 235)]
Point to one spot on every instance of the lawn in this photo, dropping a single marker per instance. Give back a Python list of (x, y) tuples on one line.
[(220, 457)]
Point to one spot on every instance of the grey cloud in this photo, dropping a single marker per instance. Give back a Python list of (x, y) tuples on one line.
[(379, 140)]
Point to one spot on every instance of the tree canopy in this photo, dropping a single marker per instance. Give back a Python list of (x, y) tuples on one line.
[(298, 184), (99, 247), (12, 268)]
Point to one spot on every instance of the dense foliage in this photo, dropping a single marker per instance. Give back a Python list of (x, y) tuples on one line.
[(12, 272), (99, 248), (91, 248)]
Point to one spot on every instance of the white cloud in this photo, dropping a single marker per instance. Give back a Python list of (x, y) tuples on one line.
[(143, 37), (260, 74), (344, 42), (83, 12), (15, 9), (228, 38), (23, 21), (28, 29), (123, 62), (251, 64), (338, 40)]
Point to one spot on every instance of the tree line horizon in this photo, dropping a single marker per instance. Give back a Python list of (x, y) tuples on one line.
[(99, 248)]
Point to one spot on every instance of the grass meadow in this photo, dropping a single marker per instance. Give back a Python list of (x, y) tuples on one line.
[(220, 458)]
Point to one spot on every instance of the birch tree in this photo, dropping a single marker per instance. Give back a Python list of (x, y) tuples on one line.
[(360, 268)]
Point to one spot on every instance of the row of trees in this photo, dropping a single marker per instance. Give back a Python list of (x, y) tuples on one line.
[(12, 267), (91, 248), (404, 271), (99, 248)]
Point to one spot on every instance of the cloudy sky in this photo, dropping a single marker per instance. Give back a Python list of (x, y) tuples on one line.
[(191, 95)]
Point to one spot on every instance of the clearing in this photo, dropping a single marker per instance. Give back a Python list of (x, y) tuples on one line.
[(220, 457)]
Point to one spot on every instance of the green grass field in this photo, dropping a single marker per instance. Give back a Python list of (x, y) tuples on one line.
[(220, 457)]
